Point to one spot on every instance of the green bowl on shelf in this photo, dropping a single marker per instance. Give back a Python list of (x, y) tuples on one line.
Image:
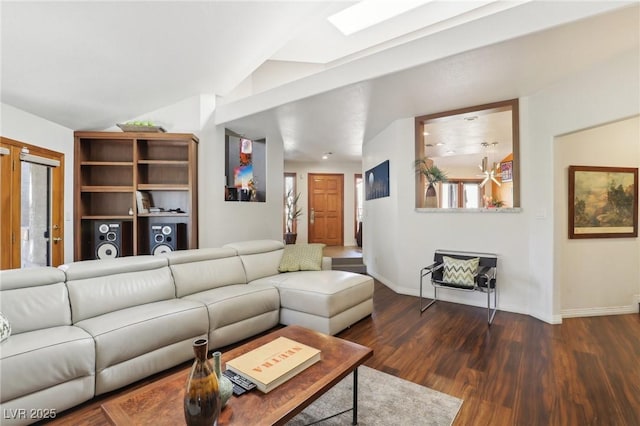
[(138, 128)]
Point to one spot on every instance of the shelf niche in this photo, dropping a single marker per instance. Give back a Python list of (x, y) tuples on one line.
[(237, 188)]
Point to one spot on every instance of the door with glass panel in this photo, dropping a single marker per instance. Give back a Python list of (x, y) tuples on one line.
[(31, 226)]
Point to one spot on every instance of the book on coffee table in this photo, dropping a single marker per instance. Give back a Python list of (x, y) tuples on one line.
[(273, 363)]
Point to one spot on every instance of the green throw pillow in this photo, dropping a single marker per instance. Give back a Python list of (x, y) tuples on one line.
[(460, 271), (301, 257), (5, 328)]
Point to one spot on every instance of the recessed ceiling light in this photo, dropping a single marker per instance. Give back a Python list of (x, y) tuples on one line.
[(326, 155), (472, 118), (425, 133), (450, 152), (367, 13), (440, 144)]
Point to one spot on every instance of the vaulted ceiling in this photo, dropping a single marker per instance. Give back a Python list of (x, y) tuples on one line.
[(279, 67)]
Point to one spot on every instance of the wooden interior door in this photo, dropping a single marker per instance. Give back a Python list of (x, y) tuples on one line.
[(326, 209)]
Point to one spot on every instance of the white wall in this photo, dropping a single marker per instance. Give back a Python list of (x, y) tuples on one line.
[(398, 240), (349, 170), (186, 116), (612, 283), (221, 221), (25, 127), (602, 94)]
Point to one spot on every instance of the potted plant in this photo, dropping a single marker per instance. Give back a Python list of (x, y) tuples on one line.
[(490, 202), (433, 174), (293, 212)]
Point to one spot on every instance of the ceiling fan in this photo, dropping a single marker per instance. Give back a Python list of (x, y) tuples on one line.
[(489, 173)]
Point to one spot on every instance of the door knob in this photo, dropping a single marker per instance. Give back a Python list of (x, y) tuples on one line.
[(57, 239), (312, 216)]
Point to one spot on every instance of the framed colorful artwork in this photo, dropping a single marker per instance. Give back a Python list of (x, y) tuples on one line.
[(506, 171)]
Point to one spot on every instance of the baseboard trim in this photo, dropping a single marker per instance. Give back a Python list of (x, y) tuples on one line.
[(476, 299), (599, 311), (550, 319), (386, 282)]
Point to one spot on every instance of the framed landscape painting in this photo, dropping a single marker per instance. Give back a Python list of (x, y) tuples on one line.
[(603, 202)]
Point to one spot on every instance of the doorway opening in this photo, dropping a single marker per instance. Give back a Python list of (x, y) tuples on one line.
[(31, 211)]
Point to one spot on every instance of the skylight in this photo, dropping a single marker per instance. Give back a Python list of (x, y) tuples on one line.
[(367, 13)]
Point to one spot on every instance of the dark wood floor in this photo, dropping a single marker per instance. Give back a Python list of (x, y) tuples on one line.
[(520, 371)]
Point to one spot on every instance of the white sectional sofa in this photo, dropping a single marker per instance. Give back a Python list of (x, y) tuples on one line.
[(91, 327)]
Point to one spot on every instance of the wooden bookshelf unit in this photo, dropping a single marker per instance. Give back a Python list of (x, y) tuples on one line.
[(111, 166)]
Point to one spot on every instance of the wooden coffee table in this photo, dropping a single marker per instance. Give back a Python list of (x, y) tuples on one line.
[(160, 402)]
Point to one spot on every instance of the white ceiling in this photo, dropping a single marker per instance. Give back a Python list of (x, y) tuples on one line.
[(88, 65)]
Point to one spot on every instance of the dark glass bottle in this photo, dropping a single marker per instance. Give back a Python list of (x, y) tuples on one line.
[(202, 394)]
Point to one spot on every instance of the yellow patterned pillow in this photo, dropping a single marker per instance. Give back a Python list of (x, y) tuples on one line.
[(459, 271), (301, 257)]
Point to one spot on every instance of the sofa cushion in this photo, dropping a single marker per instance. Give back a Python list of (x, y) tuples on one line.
[(234, 303), (197, 255), (34, 298), (109, 267), (203, 269), (260, 258), (11, 279), (36, 360), (255, 246), (92, 296), (131, 332), (301, 257)]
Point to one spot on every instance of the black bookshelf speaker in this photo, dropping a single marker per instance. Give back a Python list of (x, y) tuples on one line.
[(166, 237), (110, 239)]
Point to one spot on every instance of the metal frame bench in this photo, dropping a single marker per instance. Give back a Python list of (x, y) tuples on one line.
[(484, 279)]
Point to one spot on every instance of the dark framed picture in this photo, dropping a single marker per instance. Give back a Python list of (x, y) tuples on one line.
[(376, 181), (506, 171), (603, 202)]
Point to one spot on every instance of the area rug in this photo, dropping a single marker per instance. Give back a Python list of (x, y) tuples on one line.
[(383, 399)]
